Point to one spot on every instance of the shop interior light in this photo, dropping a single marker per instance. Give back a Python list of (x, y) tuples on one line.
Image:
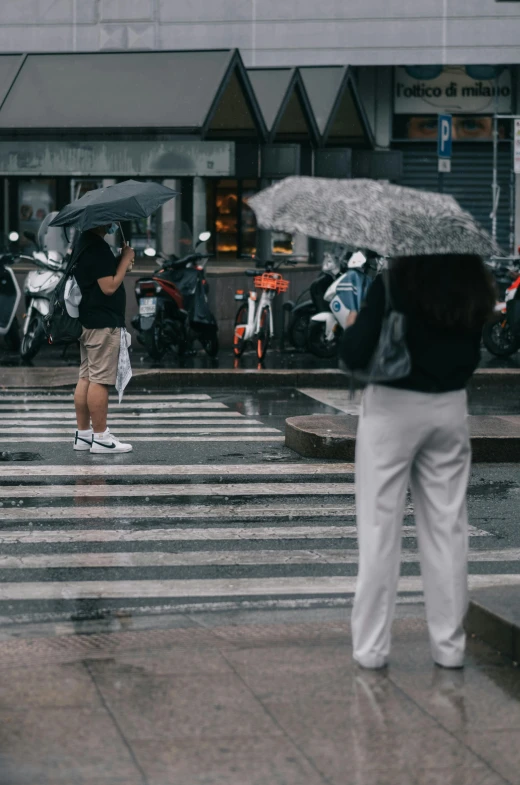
[(14, 237), (149, 251)]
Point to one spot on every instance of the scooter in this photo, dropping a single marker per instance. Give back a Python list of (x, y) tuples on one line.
[(10, 296), (310, 301), (50, 257), (345, 294), (173, 307), (501, 336)]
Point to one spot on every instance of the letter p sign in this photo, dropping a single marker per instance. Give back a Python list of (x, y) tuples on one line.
[(444, 136)]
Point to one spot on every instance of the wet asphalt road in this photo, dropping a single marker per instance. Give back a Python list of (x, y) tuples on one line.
[(211, 510)]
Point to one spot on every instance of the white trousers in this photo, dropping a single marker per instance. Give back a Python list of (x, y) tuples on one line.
[(417, 440)]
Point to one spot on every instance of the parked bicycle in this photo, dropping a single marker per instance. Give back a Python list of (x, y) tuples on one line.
[(254, 322)]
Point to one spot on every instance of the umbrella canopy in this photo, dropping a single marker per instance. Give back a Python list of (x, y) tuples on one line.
[(389, 219), (120, 202)]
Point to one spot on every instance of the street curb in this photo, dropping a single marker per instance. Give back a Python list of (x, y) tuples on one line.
[(494, 628), (238, 378), (493, 439)]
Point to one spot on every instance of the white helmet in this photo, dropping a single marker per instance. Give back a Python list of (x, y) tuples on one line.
[(357, 260)]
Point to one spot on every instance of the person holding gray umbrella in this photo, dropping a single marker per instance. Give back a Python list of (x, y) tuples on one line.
[(416, 341), (103, 345)]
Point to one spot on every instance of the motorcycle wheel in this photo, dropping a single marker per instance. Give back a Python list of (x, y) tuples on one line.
[(499, 340), (12, 338), (33, 339), (239, 342), (263, 336), (154, 343), (317, 342), (298, 330), (210, 344)]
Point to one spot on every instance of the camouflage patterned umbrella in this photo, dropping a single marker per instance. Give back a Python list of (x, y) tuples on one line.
[(389, 219)]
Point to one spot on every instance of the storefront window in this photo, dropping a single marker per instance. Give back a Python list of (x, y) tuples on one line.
[(282, 244), (247, 219), (226, 218), (233, 221), (36, 199), (79, 188)]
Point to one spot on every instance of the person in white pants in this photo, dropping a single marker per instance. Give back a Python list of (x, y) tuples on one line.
[(421, 440), (413, 433)]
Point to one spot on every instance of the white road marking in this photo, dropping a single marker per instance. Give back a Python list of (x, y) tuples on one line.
[(63, 440), (193, 489), (181, 470), (215, 558), (243, 587), (181, 534), (174, 512), (132, 431), (28, 398), (337, 399), (131, 416), (136, 422), (119, 407)]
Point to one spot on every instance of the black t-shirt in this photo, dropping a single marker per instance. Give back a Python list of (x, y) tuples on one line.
[(442, 360), (97, 261)]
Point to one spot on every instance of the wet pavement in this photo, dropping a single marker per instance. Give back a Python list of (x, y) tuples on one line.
[(179, 614), (250, 700)]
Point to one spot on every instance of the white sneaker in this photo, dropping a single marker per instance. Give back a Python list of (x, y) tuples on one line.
[(108, 445), (83, 442)]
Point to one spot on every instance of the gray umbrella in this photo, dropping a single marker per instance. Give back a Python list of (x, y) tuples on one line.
[(120, 202), (389, 219)]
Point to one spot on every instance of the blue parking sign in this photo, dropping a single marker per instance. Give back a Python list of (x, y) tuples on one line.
[(444, 136)]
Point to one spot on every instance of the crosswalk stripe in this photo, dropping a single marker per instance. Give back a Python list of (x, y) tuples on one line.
[(134, 422), (39, 439), (130, 416), (193, 489), (70, 398), (180, 470), (170, 512), (214, 558), (123, 405), (243, 587), (136, 431), (198, 534)]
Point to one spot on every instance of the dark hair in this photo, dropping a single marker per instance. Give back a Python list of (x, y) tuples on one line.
[(450, 291)]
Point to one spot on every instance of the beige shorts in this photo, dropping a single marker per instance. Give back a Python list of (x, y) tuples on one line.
[(99, 352)]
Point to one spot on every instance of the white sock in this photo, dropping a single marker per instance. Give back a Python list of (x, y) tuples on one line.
[(85, 433), (103, 435)]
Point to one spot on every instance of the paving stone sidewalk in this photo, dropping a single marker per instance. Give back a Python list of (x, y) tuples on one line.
[(204, 699)]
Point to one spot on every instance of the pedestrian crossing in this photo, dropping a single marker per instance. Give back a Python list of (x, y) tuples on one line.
[(84, 539), (191, 417)]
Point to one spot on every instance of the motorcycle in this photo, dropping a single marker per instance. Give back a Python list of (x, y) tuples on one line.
[(499, 336), (173, 307), (311, 300), (10, 296)]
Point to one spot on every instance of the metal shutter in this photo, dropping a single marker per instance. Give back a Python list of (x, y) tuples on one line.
[(469, 181)]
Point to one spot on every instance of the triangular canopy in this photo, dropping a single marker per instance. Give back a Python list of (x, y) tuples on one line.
[(285, 104), (334, 98), (185, 91)]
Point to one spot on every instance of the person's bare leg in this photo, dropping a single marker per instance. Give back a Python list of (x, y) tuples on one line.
[(80, 402), (97, 401)]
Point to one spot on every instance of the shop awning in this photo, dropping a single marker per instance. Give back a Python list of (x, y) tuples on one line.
[(285, 104), (334, 98), (205, 93)]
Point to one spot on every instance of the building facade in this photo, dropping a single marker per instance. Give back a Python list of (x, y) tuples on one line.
[(225, 96)]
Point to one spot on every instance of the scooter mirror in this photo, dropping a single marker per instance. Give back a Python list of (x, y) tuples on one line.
[(204, 237)]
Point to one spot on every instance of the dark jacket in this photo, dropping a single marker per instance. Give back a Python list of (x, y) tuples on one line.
[(443, 360)]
